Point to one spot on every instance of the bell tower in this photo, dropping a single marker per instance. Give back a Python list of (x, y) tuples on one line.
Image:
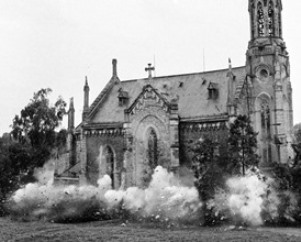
[(265, 16), (268, 77)]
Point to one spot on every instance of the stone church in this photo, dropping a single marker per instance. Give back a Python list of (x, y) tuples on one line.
[(135, 125)]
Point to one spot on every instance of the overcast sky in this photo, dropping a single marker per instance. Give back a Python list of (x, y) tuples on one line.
[(56, 43)]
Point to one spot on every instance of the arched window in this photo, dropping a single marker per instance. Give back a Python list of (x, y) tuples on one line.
[(109, 158), (271, 19), (260, 19), (152, 148), (265, 118)]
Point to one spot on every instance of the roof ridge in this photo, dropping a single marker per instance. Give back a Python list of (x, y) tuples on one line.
[(185, 74)]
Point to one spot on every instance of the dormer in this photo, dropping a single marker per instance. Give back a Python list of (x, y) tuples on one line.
[(212, 91), (123, 97)]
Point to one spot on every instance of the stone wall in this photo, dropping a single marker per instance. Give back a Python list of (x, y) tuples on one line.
[(95, 160), (192, 132), (141, 122)]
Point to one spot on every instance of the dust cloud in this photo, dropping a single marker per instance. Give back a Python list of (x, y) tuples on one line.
[(165, 199), (250, 200)]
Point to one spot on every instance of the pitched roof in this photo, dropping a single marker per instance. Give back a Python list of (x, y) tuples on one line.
[(103, 94), (191, 91)]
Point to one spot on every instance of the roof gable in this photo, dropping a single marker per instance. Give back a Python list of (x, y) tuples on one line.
[(101, 97), (148, 97)]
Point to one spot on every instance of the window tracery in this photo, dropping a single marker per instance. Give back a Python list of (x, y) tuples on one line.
[(271, 18), (152, 148), (265, 118), (260, 19)]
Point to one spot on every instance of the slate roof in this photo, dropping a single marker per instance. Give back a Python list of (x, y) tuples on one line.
[(191, 91)]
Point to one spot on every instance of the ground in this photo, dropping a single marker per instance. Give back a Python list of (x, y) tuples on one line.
[(118, 231)]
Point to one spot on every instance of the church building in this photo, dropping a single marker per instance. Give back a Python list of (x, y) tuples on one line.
[(135, 125)]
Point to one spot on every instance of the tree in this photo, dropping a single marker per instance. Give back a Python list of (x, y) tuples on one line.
[(32, 142), (205, 163), (35, 136), (35, 128), (242, 143), (209, 163)]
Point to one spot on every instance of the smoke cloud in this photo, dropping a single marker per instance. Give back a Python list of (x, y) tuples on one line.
[(165, 199), (250, 200), (253, 200)]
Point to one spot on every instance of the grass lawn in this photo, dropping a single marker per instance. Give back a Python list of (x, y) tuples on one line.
[(117, 231)]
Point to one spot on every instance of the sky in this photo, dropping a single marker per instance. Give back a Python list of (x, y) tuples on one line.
[(56, 43)]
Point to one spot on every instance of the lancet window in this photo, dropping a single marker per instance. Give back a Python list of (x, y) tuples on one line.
[(271, 20), (152, 148), (109, 157), (260, 19), (265, 116)]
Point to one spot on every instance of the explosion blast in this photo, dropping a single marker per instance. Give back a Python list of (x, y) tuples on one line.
[(250, 200), (165, 199), (253, 200)]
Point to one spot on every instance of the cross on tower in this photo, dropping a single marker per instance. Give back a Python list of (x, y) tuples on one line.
[(149, 69)]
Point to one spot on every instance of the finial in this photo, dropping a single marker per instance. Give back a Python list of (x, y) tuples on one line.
[(114, 62), (230, 72), (71, 105), (149, 69), (86, 86)]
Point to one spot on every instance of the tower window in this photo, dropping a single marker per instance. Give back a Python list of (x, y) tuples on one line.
[(271, 18), (264, 73), (266, 129), (260, 19)]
